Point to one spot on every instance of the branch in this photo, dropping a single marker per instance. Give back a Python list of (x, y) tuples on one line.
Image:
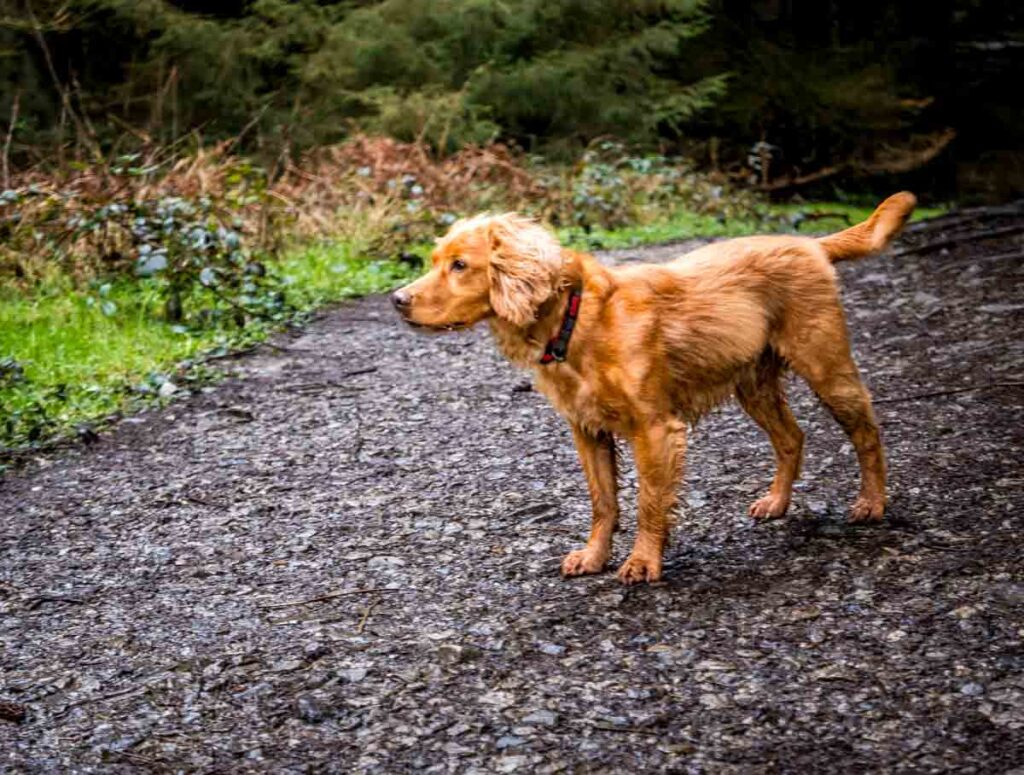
[(909, 159), (966, 217), (37, 31), (9, 138), (366, 616), (323, 598), (972, 236), (803, 180), (898, 161), (949, 392)]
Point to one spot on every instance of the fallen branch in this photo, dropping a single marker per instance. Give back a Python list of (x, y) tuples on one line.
[(956, 218), (949, 392), (897, 161), (277, 348), (802, 180), (323, 598), (904, 160), (15, 455), (154, 765), (1016, 255), (121, 694), (356, 372), (230, 354), (318, 354), (308, 620), (366, 616), (622, 730), (1001, 257), (306, 388), (973, 236)]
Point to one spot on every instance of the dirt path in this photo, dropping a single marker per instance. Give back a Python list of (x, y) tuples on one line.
[(347, 560)]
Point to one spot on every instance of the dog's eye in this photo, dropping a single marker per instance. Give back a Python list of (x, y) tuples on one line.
[(458, 265)]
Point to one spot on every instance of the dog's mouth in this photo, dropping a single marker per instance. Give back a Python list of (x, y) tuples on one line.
[(456, 326)]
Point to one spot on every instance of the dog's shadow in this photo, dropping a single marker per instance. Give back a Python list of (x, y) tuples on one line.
[(706, 566)]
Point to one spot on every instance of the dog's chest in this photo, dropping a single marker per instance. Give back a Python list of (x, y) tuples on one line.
[(576, 400)]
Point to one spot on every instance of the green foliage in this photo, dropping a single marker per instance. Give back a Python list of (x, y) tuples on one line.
[(530, 69), (767, 91), (808, 218), (207, 270), (81, 355), (196, 251), (70, 360), (610, 188), (306, 73)]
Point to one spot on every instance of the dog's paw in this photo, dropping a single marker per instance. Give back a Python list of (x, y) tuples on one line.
[(584, 561), (637, 570), (769, 507), (868, 508)]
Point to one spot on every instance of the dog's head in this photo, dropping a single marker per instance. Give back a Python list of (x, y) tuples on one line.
[(503, 265)]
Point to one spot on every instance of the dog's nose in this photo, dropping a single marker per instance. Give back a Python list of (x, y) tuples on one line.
[(401, 299)]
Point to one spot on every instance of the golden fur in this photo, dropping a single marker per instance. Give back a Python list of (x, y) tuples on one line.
[(657, 346)]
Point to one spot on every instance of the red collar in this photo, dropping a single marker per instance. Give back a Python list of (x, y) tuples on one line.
[(559, 345)]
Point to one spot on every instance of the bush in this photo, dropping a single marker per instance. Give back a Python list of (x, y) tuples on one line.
[(198, 228), (208, 225)]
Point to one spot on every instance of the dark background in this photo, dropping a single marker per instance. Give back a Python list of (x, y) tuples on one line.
[(823, 98)]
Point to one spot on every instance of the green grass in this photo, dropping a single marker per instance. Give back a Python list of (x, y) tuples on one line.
[(320, 274), (682, 225), (71, 357), (78, 362), (686, 225)]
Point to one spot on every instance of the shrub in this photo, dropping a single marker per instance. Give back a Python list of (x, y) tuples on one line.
[(206, 227), (199, 229)]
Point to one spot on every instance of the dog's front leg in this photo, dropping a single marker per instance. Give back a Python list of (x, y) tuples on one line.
[(659, 448), (597, 454)]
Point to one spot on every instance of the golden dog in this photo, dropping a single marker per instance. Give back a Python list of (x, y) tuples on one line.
[(638, 352)]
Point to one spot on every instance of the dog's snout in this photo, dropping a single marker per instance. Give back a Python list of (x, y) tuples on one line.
[(401, 299)]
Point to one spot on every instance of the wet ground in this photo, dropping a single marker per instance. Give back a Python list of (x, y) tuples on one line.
[(346, 559)]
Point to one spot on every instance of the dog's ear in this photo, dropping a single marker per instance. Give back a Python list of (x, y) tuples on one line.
[(525, 266)]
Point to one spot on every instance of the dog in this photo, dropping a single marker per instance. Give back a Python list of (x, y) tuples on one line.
[(640, 352)]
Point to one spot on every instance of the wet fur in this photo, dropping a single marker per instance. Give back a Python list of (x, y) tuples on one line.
[(657, 346)]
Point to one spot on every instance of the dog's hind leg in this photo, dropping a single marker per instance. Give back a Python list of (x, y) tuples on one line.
[(848, 400), (828, 367), (762, 397), (597, 454)]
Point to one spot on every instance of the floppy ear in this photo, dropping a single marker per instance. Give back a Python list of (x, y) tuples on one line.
[(524, 268)]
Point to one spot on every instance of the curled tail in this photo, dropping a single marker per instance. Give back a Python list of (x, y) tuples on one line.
[(873, 234)]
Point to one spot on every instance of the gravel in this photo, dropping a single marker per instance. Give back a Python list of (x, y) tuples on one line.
[(345, 558)]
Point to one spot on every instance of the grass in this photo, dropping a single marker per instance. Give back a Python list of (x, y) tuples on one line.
[(323, 273), (78, 362), (73, 359), (813, 218)]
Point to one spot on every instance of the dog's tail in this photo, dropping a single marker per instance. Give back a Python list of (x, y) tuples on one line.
[(873, 234)]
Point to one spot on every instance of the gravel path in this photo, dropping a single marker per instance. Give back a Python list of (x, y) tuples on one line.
[(346, 559)]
